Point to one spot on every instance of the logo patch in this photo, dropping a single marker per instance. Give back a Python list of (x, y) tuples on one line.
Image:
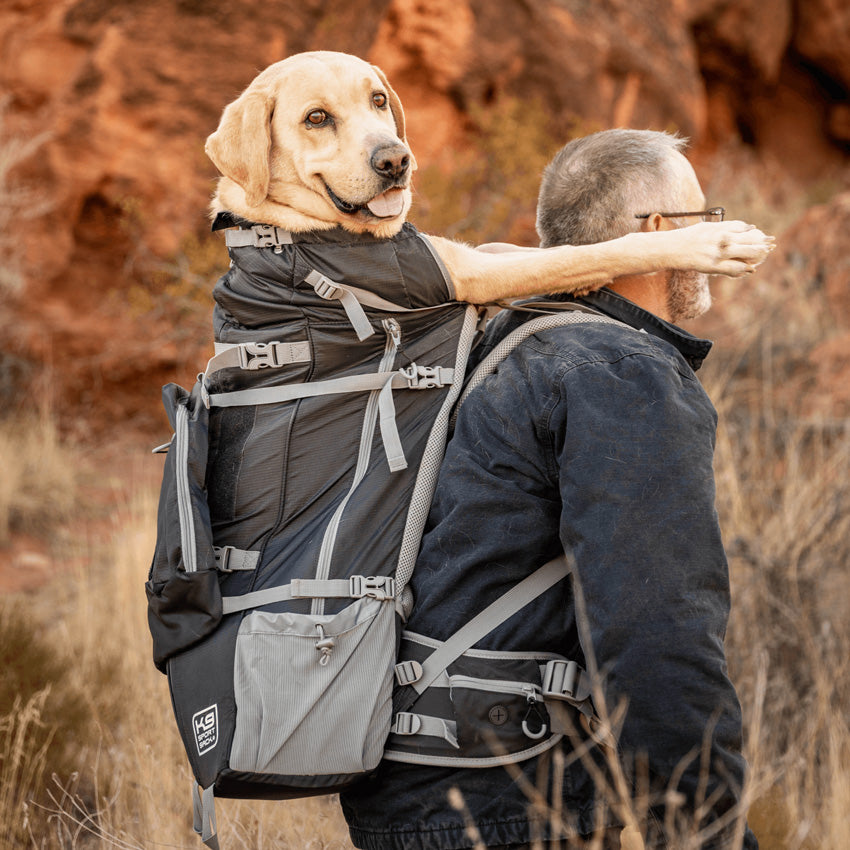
[(205, 726)]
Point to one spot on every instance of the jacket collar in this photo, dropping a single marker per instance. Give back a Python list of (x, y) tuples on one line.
[(692, 348)]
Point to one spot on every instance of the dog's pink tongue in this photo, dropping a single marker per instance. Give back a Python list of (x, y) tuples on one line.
[(388, 204)]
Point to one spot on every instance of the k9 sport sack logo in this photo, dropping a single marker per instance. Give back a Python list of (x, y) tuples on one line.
[(205, 727)]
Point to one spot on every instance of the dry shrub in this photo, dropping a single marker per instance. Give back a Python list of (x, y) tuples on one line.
[(784, 500), (38, 487), (23, 760), (42, 713)]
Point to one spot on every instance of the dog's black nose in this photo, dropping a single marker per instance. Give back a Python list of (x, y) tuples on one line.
[(391, 160)]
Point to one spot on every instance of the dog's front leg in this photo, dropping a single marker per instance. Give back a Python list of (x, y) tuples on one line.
[(731, 248)]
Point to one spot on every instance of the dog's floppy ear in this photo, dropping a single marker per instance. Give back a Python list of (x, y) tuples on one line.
[(395, 104), (241, 145)]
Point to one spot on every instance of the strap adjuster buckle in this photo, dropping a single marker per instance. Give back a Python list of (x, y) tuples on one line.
[(323, 286), (374, 587), (408, 672), (221, 554), (406, 723), (560, 679)]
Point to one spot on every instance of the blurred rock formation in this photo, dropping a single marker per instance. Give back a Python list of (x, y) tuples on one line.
[(129, 91)]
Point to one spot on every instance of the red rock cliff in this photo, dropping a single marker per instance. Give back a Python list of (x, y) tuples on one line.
[(127, 92)]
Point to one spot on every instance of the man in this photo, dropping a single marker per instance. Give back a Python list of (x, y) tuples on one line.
[(595, 439)]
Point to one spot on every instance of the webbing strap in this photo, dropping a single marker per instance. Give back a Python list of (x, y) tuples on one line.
[(255, 599), (369, 299), (347, 384), (289, 392), (203, 811), (332, 291), (406, 723), (355, 587), (257, 355), (484, 622), (389, 429)]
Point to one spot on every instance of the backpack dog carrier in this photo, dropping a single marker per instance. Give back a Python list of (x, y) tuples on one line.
[(294, 496), (295, 491)]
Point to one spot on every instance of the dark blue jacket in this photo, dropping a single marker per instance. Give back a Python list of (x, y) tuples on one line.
[(597, 439)]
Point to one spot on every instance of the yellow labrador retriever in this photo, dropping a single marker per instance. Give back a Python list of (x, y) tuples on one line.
[(318, 141)]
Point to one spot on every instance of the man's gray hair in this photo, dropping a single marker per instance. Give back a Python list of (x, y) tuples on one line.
[(594, 186)]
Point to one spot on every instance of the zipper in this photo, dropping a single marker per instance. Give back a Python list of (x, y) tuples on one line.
[(532, 693), (184, 499), (393, 331)]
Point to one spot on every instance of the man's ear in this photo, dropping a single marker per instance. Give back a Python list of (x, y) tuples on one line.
[(653, 223), (241, 145)]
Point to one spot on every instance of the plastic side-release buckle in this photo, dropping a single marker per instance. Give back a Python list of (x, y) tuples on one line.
[(426, 377), (408, 672), (406, 723), (264, 355), (560, 679), (269, 236), (375, 587)]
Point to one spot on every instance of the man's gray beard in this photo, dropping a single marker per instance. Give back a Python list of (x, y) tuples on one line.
[(688, 295)]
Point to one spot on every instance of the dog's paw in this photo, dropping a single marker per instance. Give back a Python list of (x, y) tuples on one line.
[(731, 248)]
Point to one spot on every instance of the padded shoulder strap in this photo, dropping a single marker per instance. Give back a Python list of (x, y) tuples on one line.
[(568, 313)]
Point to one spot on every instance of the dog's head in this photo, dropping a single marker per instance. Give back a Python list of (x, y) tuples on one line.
[(314, 141)]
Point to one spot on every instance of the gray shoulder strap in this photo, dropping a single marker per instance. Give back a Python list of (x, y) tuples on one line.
[(569, 313)]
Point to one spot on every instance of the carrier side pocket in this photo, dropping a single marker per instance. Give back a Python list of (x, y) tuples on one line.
[(184, 601), (314, 692)]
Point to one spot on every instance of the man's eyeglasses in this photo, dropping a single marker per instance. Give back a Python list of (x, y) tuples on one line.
[(714, 214)]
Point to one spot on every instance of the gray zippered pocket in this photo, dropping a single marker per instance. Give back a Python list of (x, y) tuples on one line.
[(314, 692)]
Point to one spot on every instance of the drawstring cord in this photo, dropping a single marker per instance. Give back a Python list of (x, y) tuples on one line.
[(324, 644)]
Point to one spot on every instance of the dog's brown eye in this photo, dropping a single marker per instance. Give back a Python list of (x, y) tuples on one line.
[(379, 99), (317, 117)]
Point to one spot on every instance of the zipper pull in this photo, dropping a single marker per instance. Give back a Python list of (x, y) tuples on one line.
[(393, 331), (537, 717)]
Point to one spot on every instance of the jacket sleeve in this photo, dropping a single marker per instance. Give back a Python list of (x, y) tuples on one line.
[(634, 442)]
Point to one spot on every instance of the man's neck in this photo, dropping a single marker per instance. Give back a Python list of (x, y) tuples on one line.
[(648, 291)]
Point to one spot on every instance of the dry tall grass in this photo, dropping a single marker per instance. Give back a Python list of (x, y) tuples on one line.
[(38, 485)]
